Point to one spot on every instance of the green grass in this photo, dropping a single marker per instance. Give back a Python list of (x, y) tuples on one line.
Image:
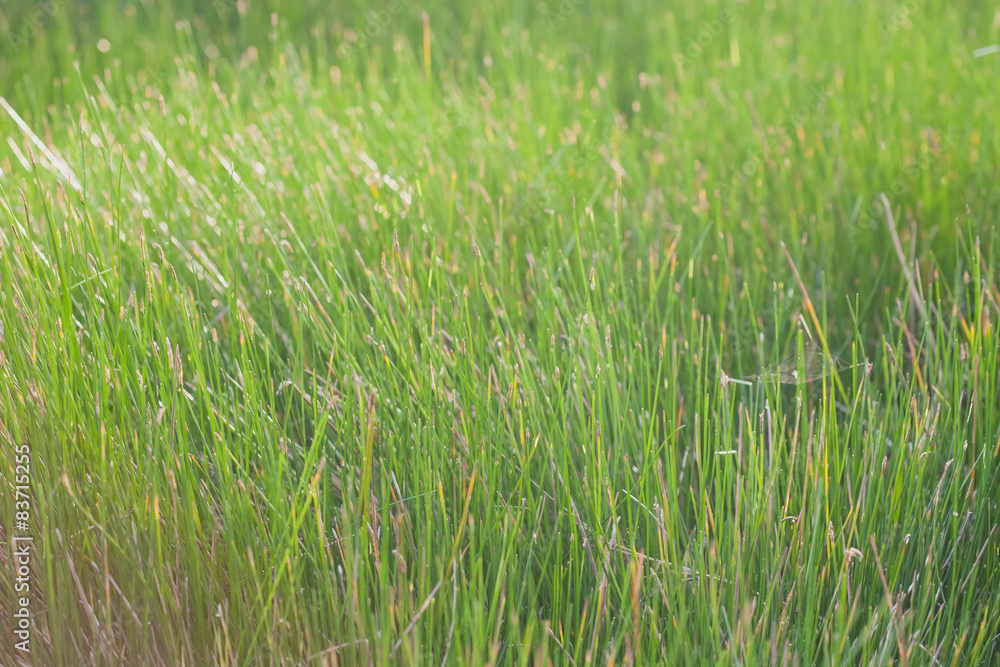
[(420, 351)]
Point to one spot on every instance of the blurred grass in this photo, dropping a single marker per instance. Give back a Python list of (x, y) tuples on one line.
[(417, 347)]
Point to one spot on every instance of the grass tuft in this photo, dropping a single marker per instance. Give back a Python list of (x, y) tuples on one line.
[(498, 333)]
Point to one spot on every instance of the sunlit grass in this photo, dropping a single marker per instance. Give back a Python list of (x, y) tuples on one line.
[(504, 336)]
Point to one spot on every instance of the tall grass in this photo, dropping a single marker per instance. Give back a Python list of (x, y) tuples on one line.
[(459, 346)]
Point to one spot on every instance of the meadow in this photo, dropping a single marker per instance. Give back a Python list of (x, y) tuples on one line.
[(499, 333)]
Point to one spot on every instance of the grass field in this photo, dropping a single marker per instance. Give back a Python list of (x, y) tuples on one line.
[(499, 333)]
